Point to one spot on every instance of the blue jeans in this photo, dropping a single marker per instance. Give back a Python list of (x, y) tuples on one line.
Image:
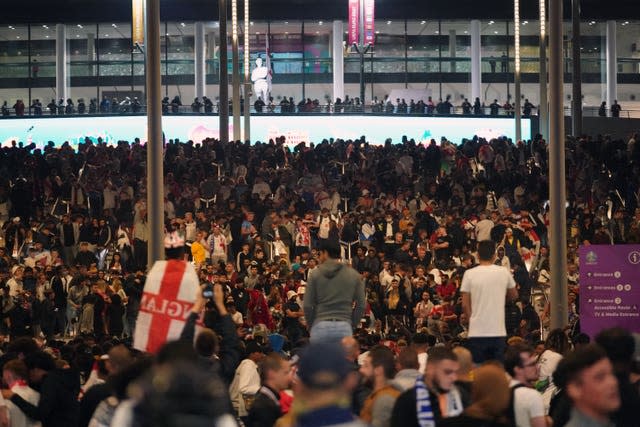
[(330, 331), (487, 348)]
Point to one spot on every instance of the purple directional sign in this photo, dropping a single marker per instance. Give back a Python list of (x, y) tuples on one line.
[(609, 287)]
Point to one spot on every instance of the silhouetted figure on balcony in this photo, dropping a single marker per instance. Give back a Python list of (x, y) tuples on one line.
[(615, 109), (504, 63), (466, 107), (602, 111), (259, 105), (526, 108), (52, 107), (165, 105), (61, 107), (494, 108), (5, 109), (196, 105), (208, 105), (430, 106), (69, 108), (175, 105), (93, 106), (36, 107), (135, 105), (492, 64), (477, 107), (82, 107), (508, 108), (105, 105)]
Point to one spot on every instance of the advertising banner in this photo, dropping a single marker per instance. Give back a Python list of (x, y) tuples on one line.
[(609, 287), (137, 22), (354, 21), (369, 22)]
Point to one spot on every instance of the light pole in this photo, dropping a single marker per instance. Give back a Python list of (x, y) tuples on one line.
[(235, 76), (557, 190), (155, 189), (543, 110), (223, 100), (516, 80), (361, 49), (247, 75)]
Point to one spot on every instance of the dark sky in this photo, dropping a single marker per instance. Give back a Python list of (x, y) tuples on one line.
[(191, 10)]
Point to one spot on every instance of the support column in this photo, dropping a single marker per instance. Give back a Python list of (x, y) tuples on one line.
[(452, 49), (235, 71), (576, 81), (223, 109), (612, 61), (155, 187), (338, 60), (199, 60), (91, 51), (543, 111), (62, 66), (557, 183), (476, 64), (517, 109)]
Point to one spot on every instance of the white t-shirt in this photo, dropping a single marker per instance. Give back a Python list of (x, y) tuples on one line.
[(527, 404), (487, 286), (16, 416)]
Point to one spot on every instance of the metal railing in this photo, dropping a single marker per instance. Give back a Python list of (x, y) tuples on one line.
[(588, 111)]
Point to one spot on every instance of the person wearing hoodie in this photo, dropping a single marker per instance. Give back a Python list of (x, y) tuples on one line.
[(335, 299), (58, 387)]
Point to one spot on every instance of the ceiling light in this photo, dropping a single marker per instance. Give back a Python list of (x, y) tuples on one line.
[(77, 36), (491, 22), (377, 32), (320, 22), (286, 32), (257, 33), (45, 27), (286, 22), (106, 35), (114, 25), (317, 32), (437, 32), (251, 23), (46, 37), (17, 37), (182, 24), (423, 22), (466, 32), (388, 22), (495, 32), (79, 25)]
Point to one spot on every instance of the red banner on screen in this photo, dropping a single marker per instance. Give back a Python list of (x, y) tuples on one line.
[(369, 22), (354, 21)]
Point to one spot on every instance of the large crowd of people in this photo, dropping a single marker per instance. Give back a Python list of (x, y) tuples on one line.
[(282, 105), (271, 226)]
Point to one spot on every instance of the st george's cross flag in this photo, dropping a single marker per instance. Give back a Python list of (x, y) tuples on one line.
[(169, 293)]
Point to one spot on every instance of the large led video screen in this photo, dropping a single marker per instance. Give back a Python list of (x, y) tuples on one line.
[(295, 129)]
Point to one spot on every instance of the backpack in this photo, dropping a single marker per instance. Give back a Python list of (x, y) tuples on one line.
[(511, 410)]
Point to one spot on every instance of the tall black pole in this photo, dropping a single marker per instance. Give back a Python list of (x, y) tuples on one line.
[(223, 112), (362, 52), (155, 187), (576, 92)]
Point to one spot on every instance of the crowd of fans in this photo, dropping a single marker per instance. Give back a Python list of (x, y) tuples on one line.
[(408, 217), (285, 105)]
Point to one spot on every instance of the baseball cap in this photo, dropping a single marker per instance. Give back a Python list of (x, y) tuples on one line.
[(323, 365)]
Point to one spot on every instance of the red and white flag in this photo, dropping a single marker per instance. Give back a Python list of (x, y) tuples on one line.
[(169, 294)]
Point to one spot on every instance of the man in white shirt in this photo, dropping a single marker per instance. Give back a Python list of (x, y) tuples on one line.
[(484, 291), (217, 244), (14, 374), (484, 227), (527, 407), (246, 381)]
